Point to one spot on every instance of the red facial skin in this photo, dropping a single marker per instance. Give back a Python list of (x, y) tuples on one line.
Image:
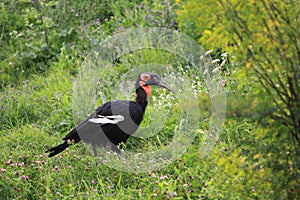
[(145, 77)]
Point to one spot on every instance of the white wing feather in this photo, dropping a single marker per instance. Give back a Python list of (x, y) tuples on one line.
[(114, 119)]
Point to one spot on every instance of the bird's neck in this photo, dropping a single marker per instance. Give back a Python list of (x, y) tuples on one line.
[(141, 98)]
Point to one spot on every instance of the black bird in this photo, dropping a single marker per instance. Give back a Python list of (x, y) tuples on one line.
[(115, 121)]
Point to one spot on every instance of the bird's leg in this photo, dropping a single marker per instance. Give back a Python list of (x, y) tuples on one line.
[(95, 153), (114, 148)]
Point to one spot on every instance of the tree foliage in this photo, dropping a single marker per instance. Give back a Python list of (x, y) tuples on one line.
[(264, 38), (264, 35)]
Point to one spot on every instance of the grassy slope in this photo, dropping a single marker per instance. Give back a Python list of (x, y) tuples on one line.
[(37, 114)]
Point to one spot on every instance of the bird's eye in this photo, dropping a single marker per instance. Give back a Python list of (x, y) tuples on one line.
[(145, 77)]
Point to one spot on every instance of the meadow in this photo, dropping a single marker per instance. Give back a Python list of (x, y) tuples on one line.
[(44, 46)]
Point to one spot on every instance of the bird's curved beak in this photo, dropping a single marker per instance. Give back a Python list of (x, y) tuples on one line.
[(158, 81)]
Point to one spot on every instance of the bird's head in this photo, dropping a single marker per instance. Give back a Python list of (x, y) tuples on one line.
[(145, 80)]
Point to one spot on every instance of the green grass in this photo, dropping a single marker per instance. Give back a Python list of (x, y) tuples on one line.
[(252, 159), (26, 172), (37, 115)]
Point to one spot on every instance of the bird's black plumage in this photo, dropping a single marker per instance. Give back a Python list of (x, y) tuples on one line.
[(110, 133)]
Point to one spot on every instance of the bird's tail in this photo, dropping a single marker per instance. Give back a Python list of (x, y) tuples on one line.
[(56, 150), (71, 137)]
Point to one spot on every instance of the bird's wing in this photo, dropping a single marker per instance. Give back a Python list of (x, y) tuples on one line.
[(109, 113), (113, 119), (91, 130), (112, 122)]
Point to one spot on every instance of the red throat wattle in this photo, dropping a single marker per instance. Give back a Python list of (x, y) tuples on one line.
[(146, 88)]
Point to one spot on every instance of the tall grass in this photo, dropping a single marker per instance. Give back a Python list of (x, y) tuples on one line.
[(35, 112)]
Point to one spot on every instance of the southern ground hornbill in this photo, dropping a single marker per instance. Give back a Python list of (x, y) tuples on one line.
[(115, 121)]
